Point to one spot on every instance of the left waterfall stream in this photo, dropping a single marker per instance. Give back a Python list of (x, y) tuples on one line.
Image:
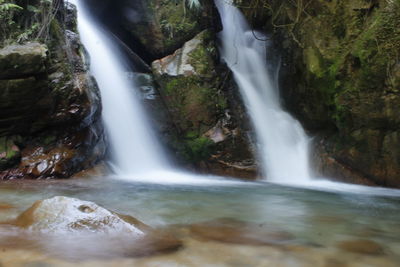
[(136, 154), (133, 146)]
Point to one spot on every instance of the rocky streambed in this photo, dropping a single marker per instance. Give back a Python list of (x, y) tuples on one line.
[(80, 221)]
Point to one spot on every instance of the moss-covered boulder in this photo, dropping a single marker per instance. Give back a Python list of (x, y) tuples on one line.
[(189, 85), (9, 153), (165, 24), (195, 88), (22, 60)]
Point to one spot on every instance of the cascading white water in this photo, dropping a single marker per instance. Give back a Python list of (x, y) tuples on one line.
[(133, 147), (282, 143)]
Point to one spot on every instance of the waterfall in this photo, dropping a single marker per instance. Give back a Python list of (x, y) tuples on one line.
[(282, 143), (134, 149)]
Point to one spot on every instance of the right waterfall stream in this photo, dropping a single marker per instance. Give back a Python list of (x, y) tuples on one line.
[(281, 141)]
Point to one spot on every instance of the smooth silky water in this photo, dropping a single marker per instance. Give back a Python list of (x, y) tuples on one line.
[(283, 145), (318, 220)]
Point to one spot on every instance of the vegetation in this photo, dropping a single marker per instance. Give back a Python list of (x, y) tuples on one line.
[(29, 21)]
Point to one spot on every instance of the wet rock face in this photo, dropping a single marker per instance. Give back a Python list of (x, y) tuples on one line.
[(87, 223), (159, 26), (198, 94), (49, 108), (340, 76)]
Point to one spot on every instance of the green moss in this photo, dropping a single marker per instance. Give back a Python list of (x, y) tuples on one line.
[(177, 22), (198, 149), (9, 153), (200, 60), (56, 31), (194, 102)]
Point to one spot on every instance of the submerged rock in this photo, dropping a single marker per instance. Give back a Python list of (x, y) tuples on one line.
[(5, 206), (236, 232), (361, 246)]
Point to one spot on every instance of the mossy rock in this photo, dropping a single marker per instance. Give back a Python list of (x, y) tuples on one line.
[(22, 60), (190, 86), (164, 25), (9, 153)]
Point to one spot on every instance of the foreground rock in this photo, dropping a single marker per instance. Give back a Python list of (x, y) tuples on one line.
[(86, 221)]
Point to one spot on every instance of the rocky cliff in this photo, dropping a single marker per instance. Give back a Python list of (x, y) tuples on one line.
[(49, 106), (340, 76)]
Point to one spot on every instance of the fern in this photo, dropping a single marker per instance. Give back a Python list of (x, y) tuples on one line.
[(8, 6)]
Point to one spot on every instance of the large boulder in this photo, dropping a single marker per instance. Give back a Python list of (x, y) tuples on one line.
[(22, 60), (63, 214), (86, 221), (210, 117)]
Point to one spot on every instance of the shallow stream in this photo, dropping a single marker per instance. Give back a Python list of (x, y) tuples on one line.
[(315, 223)]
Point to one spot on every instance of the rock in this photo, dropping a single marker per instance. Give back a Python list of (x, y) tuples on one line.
[(99, 170), (208, 115), (20, 104), (62, 215), (159, 26), (189, 86), (191, 59), (22, 60), (77, 218), (192, 100), (5, 206), (236, 232), (50, 100), (361, 246), (340, 78), (332, 168), (41, 163)]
